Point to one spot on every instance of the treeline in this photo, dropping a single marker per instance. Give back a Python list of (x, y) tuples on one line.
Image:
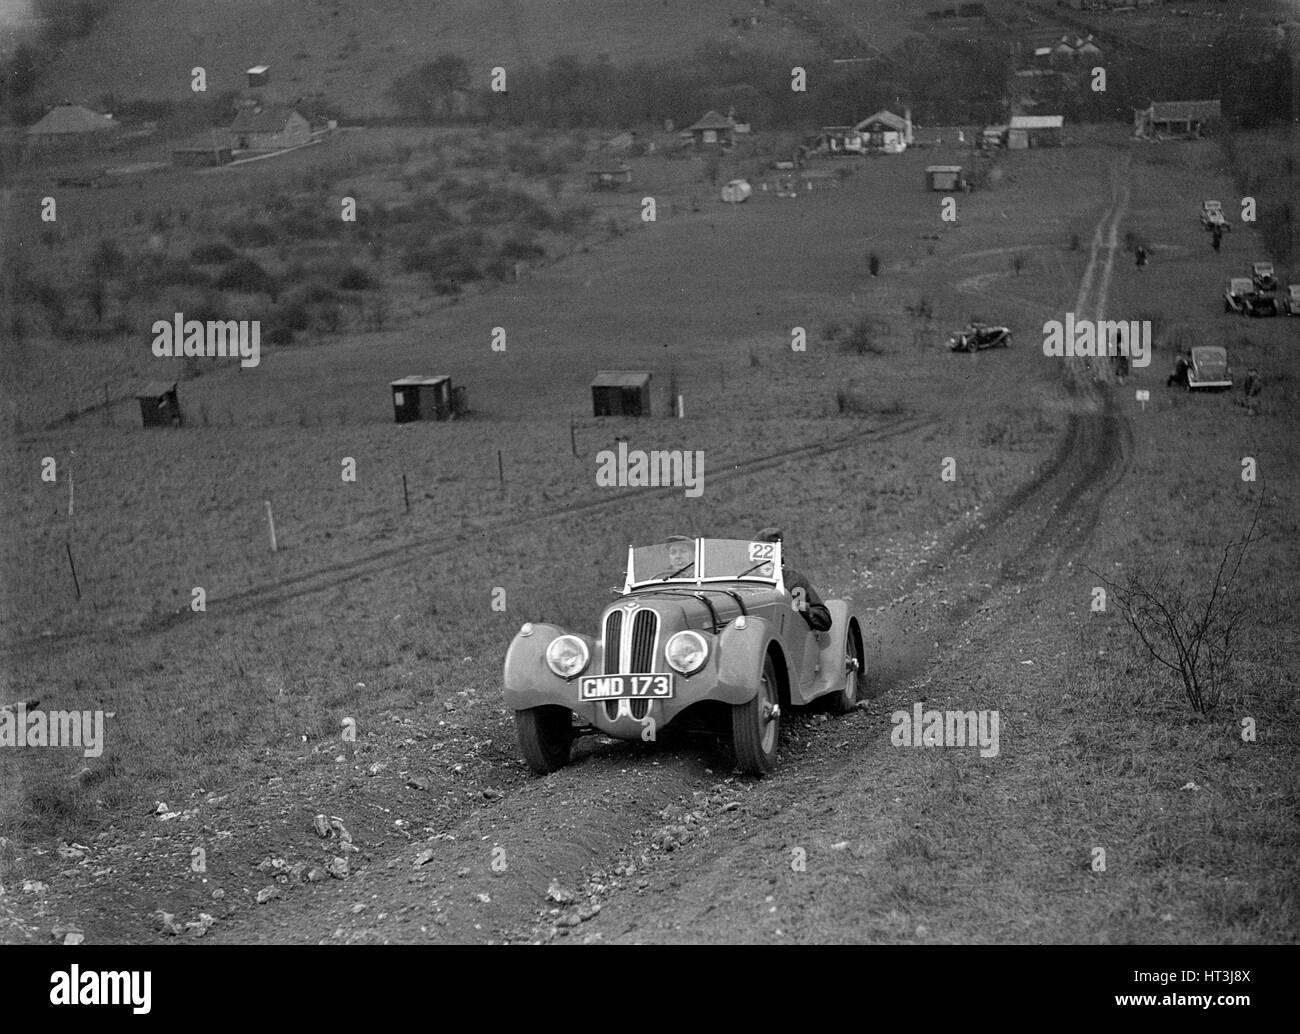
[(1250, 72), (944, 82), (961, 82)]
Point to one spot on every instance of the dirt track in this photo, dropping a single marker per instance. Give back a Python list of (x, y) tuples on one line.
[(663, 844)]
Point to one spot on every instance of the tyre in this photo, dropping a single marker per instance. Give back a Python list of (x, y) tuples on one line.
[(1006, 341), (545, 737), (855, 674), (756, 725)]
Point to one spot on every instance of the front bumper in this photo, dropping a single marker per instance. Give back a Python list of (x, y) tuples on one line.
[(731, 675)]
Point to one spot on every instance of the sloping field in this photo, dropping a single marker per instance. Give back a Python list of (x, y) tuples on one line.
[(351, 51)]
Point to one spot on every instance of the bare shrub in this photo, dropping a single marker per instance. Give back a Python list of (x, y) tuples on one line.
[(1191, 633)]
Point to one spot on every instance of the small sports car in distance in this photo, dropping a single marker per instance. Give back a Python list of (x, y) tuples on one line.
[(1204, 366), (1212, 216), (710, 636), (977, 336), (1262, 276), (1242, 298), (1291, 300)]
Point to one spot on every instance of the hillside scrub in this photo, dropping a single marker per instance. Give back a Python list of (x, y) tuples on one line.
[(1264, 168)]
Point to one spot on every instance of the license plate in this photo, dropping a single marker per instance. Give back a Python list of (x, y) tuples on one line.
[(616, 687)]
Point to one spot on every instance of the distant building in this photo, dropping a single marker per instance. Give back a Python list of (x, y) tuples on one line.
[(1063, 50), (270, 128), (72, 127), (1034, 131), (713, 130), (426, 398), (1088, 48), (943, 177), (839, 140), (621, 393), (159, 405), (258, 75), (885, 131), (1175, 118), (993, 136)]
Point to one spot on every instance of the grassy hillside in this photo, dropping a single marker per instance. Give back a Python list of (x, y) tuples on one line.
[(351, 52)]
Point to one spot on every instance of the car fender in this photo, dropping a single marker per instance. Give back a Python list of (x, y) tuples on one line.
[(529, 681), (740, 659), (830, 671)]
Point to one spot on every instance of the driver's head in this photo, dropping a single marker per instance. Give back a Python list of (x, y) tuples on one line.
[(681, 551), (768, 535)]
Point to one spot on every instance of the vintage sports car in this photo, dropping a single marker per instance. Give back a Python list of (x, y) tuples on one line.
[(1242, 298), (1262, 276), (976, 336), (1205, 367), (1291, 300), (1212, 216), (716, 639)]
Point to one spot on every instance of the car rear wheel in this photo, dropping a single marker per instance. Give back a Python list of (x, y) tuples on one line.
[(756, 725), (855, 675), (545, 737)]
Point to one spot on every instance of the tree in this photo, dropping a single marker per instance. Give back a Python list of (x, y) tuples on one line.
[(426, 92)]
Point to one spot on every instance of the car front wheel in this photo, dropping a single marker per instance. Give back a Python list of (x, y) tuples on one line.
[(756, 725), (545, 737)]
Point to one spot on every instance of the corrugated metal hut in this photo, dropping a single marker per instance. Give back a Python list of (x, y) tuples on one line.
[(943, 177), (159, 404), (621, 393), (422, 398)]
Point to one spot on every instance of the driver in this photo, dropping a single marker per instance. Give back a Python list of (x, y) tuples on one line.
[(815, 612), (681, 556)]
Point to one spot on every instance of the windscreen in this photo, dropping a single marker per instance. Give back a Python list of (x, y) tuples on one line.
[(698, 559)]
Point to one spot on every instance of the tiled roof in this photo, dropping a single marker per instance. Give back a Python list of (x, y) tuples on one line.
[(72, 118)]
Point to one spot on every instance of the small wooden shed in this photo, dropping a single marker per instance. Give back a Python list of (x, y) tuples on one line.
[(159, 405), (1026, 131), (426, 398), (621, 393), (713, 130), (943, 177)]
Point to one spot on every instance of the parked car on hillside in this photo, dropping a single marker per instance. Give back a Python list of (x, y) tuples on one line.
[(1291, 300), (975, 337), (1203, 366), (718, 641), (1262, 276), (1212, 216), (1242, 298)]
